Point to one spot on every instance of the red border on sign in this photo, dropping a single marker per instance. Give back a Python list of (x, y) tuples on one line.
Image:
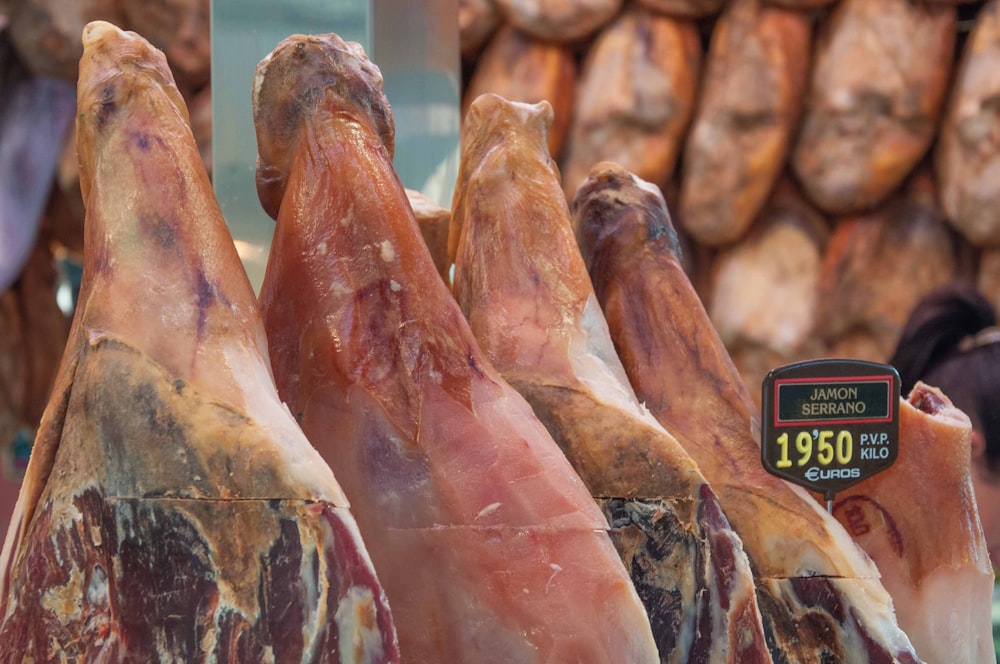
[(888, 379)]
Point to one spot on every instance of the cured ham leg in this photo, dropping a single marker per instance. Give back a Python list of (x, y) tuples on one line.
[(905, 247), (477, 21), (684, 8), (818, 592), (878, 84), (764, 291), (968, 150), (520, 68), (180, 28), (172, 509), (522, 283), (559, 20), (46, 33), (940, 578), (434, 222), (755, 75), (490, 547), (635, 97), (800, 5)]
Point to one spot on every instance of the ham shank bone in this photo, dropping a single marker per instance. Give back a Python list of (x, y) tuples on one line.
[(165, 434), (490, 547)]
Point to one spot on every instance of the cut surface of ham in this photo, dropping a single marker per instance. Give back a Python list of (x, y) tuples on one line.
[(172, 508), (940, 577), (522, 283), (818, 592), (489, 545)]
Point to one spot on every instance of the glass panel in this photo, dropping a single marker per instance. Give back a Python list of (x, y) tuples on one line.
[(416, 47)]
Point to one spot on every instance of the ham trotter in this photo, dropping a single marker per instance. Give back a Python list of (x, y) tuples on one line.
[(941, 583), (522, 283), (818, 592), (489, 546), (172, 509)]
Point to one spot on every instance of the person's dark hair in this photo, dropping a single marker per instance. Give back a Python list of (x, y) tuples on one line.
[(951, 342)]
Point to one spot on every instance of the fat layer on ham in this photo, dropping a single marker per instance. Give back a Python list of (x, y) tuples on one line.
[(491, 548), (522, 283), (818, 592), (172, 509)]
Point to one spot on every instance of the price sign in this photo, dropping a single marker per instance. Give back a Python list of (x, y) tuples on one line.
[(828, 424)]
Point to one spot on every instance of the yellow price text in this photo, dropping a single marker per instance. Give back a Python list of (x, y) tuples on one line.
[(828, 446)]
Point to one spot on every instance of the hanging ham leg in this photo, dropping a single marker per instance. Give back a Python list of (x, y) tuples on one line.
[(968, 149), (878, 84), (635, 97), (490, 547), (46, 33), (818, 592), (521, 281), (764, 291), (434, 222), (684, 8), (559, 20), (521, 68), (172, 509), (180, 28), (940, 578), (477, 21), (904, 246), (755, 76), (800, 5)]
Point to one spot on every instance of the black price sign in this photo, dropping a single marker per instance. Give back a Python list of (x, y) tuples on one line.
[(828, 424)]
